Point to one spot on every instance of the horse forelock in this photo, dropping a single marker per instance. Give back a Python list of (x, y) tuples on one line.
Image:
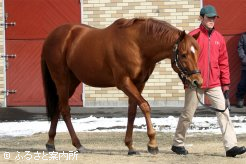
[(192, 43)]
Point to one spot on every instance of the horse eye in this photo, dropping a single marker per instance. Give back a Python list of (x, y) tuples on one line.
[(183, 56)]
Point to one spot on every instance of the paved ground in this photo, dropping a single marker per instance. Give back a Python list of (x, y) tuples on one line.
[(109, 148), (37, 113)]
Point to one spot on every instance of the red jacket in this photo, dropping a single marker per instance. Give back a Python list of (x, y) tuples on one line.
[(213, 58)]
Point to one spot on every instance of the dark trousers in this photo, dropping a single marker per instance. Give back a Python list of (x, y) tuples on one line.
[(241, 87)]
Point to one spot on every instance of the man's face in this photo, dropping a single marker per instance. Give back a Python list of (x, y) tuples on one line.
[(208, 22)]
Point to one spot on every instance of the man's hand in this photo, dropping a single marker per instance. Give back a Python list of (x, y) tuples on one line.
[(226, 95)]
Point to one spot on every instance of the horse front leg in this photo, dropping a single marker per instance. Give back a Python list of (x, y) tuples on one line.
[(133, 93), (132, 110), (152, 145)]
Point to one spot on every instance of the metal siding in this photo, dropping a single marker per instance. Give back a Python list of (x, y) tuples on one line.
[(34, 20)]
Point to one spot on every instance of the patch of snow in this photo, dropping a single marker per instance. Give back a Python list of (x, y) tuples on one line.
[(93, 124)]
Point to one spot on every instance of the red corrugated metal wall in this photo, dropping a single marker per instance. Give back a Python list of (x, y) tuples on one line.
[(35, 19), (231, 24)]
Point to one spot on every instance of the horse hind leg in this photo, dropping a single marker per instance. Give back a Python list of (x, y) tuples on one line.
[(50, 145), (51, 104), (65, 112), (73, 84)]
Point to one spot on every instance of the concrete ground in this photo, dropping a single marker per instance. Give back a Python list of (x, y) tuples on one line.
[(39, 113)]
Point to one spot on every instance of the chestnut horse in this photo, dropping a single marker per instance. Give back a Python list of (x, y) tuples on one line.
[(122, 55)]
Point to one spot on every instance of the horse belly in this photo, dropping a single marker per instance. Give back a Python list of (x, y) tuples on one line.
[(88, 61), (92, 74)]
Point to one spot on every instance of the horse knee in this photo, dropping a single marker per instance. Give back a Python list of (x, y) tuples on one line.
[(145, 107), (52, 133), (128, 142), (151, 133)]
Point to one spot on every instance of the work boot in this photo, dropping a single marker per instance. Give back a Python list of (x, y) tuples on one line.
[(240, 103), (235, 151), (179, 150)]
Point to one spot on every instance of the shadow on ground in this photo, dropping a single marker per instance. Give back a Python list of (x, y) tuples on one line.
[(39, 113)]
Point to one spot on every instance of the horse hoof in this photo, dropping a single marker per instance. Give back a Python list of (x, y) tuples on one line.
[(133, 152), (50, 147), (153, 150), (81, 149)]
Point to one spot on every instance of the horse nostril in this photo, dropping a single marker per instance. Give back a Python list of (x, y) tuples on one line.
[(195, 83)]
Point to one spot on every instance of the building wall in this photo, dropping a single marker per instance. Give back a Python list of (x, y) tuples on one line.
[(164, 88), (2, 60)]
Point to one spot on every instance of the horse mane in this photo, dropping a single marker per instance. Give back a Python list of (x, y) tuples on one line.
[(124, 23), (159, 29)]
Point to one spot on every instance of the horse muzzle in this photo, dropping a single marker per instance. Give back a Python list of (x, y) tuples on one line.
[(196, 83), (195, 78)]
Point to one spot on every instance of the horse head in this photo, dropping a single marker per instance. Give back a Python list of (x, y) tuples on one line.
[(185, 58)]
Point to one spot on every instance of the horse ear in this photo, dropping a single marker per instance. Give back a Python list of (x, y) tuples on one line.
[(196, 35), (182, 35)]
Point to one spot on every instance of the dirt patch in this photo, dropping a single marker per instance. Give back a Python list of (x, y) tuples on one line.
[(109, 148)]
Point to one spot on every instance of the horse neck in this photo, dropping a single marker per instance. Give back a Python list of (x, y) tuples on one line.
[(159, 48)]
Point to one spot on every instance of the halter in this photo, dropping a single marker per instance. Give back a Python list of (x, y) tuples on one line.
[(184, 73)]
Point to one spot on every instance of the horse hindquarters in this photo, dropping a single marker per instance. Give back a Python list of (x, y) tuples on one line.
[(59, 83)]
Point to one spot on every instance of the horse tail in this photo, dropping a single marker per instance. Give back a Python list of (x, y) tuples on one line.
[(50, 91)]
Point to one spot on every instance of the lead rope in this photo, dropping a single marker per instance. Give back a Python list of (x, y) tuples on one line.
[(210, 107)]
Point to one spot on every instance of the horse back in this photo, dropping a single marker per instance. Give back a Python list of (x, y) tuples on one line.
[(114, 52), (107, 54), (97, 57)]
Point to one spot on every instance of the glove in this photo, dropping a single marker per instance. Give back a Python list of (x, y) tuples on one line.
[(225, 88), (226, 92)]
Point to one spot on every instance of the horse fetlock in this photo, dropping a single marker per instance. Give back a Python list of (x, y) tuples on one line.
[(81, 149), (51, 141), (50, 147), (77, 144), (131, 150), (128, 142), (152, 134), (152, 142), (129, 145)]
